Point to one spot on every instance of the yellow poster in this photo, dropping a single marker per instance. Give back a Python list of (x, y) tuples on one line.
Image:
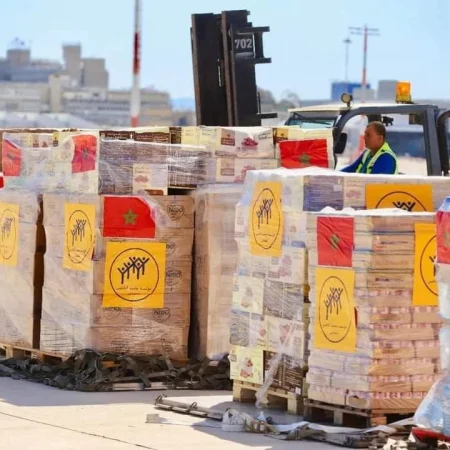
[(9, 234), (410, 197), (246, 364), (425, 287), (334, 322), (134, 274), (80, 236), (266, 219)]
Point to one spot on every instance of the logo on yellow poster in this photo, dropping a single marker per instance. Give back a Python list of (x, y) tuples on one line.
[(8, 234), (427, 266), (401, 200), (79, 237), (417, 198), (134, 275), (266, 224), (335, 314)]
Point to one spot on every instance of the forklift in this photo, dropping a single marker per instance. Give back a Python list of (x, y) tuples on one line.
[(226, 48), (431, 118)]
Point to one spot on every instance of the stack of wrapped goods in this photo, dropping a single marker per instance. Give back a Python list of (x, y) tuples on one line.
[(182, 157), (65, 161), (298, 148), (374, 317), (215, 258), (215, 246), (100, 246), (31, 162), (118, 274), (269, 316), (434, 412), (22, 245)]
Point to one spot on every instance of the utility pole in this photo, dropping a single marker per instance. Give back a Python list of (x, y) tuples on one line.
[(347, 43), (366, 32), (135, 107)]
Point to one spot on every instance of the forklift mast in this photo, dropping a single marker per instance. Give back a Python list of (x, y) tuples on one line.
[(225, 50)]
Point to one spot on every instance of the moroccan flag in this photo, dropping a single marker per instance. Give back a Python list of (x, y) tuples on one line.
[(85, 153), (335, 241), (127, 217), (299, 154), (11, 159), (443, 237)]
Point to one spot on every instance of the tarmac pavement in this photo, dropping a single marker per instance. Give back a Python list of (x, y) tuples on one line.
[(35, 417)]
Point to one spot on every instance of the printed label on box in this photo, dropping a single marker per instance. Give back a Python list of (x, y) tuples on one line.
[(154, 177), (246, 364)]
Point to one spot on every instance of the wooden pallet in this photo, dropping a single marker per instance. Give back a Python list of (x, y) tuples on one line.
[(12, 351), (275, 398), (321, 412)]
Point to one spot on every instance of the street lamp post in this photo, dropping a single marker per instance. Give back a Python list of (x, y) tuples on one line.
[(366, 32)]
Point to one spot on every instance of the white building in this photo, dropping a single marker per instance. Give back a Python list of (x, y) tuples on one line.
[(79, 87)]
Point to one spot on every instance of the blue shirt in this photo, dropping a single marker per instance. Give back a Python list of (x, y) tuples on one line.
[(385, 164)]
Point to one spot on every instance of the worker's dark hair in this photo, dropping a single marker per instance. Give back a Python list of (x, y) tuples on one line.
[(379, 128)]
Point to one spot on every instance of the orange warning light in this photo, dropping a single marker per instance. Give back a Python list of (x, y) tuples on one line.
[(403, 94)]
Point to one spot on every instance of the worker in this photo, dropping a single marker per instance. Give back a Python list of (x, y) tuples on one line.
[(378, 158)]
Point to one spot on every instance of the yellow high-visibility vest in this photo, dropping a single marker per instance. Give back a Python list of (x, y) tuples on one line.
[(382, 151)]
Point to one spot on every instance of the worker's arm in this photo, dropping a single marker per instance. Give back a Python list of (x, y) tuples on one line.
[(352, 167), (385, 164)]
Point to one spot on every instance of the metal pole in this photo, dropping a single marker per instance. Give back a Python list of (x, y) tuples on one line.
[(347, 43), (364, 70), (136, 89), (365, 32)]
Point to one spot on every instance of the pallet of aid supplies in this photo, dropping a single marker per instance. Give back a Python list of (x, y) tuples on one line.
[(17, 352), (292, 402), (341, 415)]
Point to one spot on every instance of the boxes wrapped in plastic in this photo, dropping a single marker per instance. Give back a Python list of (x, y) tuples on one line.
[(298, 148), (64, 160), (121, 274), (269, 317), (22, 245), (215, 259), (370, 346), (434, 412)]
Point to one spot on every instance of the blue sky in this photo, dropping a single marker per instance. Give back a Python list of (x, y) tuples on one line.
[(305, 41)]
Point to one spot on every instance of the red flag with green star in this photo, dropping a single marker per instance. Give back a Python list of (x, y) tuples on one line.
[(443, 237), (335, 241), (127, 217)]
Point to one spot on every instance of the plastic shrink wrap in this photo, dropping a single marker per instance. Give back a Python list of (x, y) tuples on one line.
[(434, 412), (24, 130), (215, 257), (269, 317), (22, 246), (118, 273), (298, 148), (374, 317)]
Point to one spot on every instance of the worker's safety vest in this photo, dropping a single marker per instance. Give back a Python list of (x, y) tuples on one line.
[(383, 150)]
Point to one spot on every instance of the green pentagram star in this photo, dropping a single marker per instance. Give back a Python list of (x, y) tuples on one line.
[(334, 241), (130, 218)]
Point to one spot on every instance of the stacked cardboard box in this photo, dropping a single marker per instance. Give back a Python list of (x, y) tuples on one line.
[(126, 162), (269, 318), (374, 317), (433, 412), (299, 148), (22, 244), (118, 273), (23, 130), (66, 161), (192, 156), (215, 264)]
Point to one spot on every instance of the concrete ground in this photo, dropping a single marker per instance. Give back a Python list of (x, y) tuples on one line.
[(35, 417)]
